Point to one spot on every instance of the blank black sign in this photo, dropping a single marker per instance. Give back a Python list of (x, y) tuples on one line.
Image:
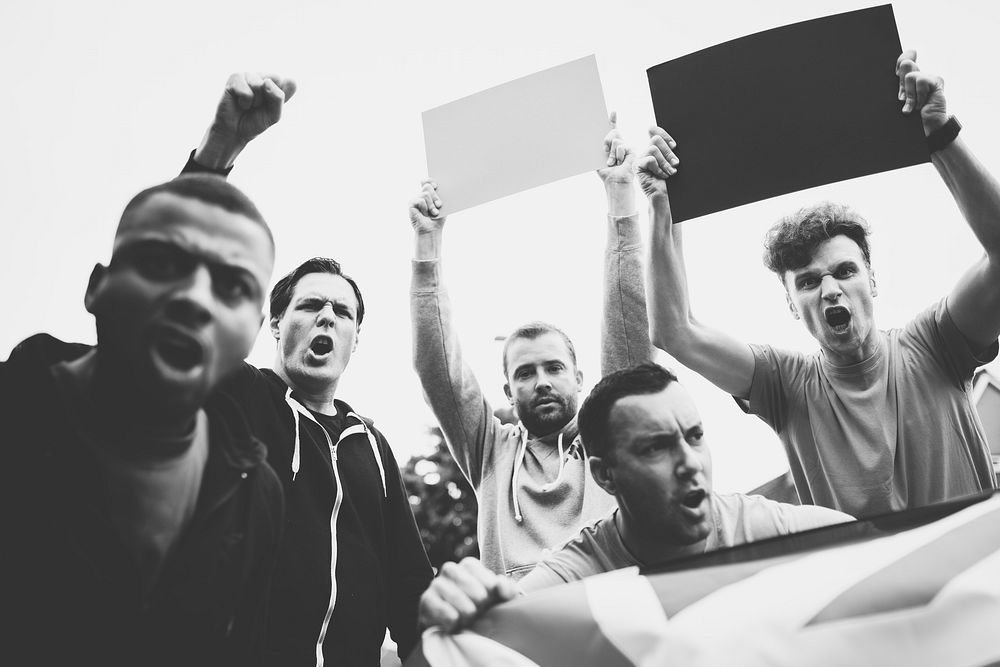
[(783, 110)]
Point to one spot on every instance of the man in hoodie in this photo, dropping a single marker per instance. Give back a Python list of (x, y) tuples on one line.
[(141, 520), (531, 478), (875, 420), (351, 562), (649, 450)]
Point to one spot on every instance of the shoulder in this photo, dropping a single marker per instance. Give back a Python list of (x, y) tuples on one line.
[(595, 549), (745, 518)]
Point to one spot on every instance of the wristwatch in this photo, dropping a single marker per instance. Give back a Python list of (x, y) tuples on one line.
[(943, 135)]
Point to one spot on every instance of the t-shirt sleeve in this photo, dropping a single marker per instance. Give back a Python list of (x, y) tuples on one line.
[(935, 331), (543, 576), (806, 517), (768, 393)]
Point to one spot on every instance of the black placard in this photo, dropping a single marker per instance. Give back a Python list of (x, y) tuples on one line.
[(785, 109)]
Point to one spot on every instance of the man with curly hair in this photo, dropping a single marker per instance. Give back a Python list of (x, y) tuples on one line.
[(875, 420)]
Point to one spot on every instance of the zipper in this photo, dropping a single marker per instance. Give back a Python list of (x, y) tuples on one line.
[(297, 407), (333, 550)]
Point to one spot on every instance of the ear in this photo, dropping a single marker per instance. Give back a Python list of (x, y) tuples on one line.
[(791, 306), (94, 285), (579, 380), (357, 337), (506, 391), (275, 331), (874, 286), (603, 473)]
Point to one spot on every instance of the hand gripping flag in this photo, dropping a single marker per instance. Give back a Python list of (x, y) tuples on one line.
[(918, 588)]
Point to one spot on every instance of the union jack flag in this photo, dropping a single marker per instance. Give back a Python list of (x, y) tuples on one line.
[(917, 588)]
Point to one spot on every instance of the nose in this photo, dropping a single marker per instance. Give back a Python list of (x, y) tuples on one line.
[(830, 288), (542, 379), (325, 315), (193, 300), (688, 463)]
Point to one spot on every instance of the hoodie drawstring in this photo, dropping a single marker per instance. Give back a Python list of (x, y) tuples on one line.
[(519, 461), (294, 406), (562, 464), (297, 408)]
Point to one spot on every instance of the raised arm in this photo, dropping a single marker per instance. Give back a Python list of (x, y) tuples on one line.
[(624, 325), (974, 303), (450, 387), (250, 104), (726, 362)]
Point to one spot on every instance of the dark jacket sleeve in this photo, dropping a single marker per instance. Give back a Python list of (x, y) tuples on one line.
[(410, 571), (267, 512), (193, 167)]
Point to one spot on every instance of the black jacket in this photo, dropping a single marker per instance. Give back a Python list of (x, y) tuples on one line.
[(372, 543), (70, 590)]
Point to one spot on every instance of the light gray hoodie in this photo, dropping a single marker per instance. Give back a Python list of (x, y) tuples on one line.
[(534, 493)]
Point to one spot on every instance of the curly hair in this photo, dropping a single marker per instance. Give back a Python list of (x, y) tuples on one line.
[(791, 242)]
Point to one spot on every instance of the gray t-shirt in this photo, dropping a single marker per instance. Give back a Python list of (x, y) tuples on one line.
[(896, 430), (736, 519)]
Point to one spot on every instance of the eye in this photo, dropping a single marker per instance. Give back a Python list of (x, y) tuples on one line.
[(310, 305), (695, 436), (523, 373), (556, 367), (808, 282), (232, 285), (161, 261), (845, 272)]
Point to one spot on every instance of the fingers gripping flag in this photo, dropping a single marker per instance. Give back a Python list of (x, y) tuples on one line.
[(920, 587)]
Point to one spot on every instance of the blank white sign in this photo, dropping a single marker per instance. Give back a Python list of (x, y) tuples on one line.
[(518, 135)]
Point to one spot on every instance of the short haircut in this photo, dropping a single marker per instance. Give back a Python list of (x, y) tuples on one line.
[(647, 378), (281, 295), (531, 331), (208, 188), (792, 241)]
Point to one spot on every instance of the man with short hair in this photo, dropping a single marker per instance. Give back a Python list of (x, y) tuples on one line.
[(530, 479), (648, 449), (876, 420), (141, 519), (351, 562)]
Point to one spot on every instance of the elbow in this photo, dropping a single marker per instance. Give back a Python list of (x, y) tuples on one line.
[(673, 340)]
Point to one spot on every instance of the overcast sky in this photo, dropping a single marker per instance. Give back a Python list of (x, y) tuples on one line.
[(107, 97)]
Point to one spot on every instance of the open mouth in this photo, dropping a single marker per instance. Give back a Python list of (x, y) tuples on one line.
[(321, 345), (694, 499), (838, 317), (179, 351)]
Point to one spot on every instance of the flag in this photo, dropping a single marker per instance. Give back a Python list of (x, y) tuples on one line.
[(917, 588)]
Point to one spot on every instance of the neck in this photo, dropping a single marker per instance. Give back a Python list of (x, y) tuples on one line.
[(121, 409), (318, 397), (544, 432), (855, 355), (648, 547)]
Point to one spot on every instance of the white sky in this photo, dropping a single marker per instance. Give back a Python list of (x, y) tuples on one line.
[(107, 97)]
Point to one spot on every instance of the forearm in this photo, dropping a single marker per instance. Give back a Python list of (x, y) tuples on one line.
[(625, 324), (427, 245), (976, 192), (621, 199), (668, 303), (218, 149), (450, 387)]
